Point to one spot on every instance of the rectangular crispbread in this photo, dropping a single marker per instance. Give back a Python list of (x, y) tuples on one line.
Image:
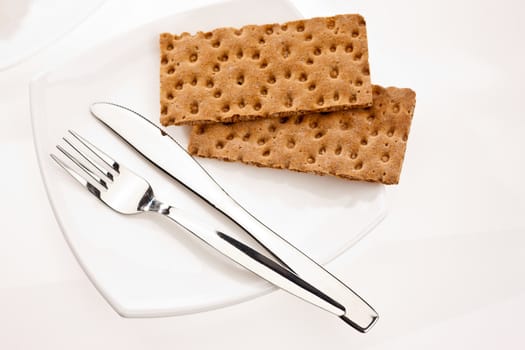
[(260, 71), (360, 144)]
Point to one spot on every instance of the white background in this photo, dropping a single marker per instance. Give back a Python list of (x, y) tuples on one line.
[(446, 269)]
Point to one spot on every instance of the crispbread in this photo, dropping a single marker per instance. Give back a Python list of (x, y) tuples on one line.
[(258, 71), (360, 144)]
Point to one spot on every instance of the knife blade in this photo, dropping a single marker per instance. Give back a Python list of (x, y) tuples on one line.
[(168, 155)]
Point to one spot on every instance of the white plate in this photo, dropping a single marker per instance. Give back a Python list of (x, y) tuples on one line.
[(146, 266), (26, 26)]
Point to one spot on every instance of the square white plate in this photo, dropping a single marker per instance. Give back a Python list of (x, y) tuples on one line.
[(145, 266)]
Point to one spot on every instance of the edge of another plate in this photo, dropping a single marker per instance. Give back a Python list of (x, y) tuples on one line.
[(28, 53)]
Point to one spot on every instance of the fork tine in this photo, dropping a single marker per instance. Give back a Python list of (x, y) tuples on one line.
[(101, 155), (83, 167), (90, 160), (77, 176)]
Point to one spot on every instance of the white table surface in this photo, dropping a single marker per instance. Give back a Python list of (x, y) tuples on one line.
[(446, 268)]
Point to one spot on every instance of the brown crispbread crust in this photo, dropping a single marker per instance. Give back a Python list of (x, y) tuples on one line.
[(361, 144), (259, 71)]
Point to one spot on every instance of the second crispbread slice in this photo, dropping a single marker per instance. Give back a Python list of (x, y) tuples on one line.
[(257, 71), (361, 144)]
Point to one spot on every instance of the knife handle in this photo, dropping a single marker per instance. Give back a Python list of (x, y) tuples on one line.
[(359, 314)]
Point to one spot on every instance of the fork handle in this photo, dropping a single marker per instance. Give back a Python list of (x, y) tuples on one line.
[(250, 259)]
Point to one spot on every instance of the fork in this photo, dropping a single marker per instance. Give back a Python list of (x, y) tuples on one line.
[(128, 193)]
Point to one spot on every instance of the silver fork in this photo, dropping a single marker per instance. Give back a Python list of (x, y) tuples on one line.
[(128, 193)]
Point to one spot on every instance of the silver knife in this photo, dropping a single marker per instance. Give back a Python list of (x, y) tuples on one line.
[(169, 156)]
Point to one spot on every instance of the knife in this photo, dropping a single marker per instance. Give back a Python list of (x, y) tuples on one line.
[(169, 156)]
